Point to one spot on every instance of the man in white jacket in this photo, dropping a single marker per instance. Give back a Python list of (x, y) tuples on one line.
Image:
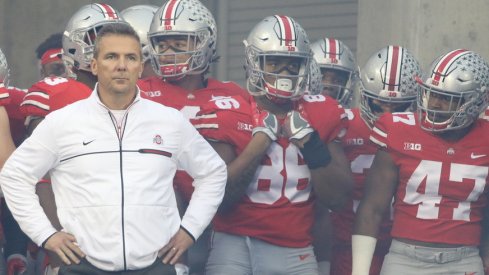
[(111, 158)]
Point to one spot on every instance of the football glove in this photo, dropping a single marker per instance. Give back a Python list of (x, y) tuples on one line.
[(265, 122), (296, 126)]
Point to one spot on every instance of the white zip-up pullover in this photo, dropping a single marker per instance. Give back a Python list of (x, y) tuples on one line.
[(113, 183)]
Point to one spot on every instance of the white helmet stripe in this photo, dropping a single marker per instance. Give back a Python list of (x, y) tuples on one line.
[(393, 70)]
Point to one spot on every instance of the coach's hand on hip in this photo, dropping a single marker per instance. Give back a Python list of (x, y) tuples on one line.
[(177, 245), (64, 244)]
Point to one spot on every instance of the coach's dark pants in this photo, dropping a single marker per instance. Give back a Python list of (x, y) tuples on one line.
[(86, 268)]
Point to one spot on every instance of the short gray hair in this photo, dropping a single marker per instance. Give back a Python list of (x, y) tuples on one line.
[(122, 29)]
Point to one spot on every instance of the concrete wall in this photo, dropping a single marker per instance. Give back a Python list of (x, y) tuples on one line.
[(428, 28)]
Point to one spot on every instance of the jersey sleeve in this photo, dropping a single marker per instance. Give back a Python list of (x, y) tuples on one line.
[(326, 116), (36, 102), (225, 119), (379, 133), (51, 94)]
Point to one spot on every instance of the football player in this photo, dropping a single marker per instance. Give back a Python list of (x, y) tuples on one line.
[(387, 84), (182, 46), (335, 66), (277, 145), (338, 68), (436, 165), (49, 54), (140, 17), (12, 134)]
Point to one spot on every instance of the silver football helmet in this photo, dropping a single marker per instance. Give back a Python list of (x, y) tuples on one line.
[(4, 70), (186, 18), (389, 76), (81, 31), (277, 37), (334, 55), (140, 17), (454, 91), (315, 85)]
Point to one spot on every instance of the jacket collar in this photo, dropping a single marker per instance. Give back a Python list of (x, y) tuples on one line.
[(95, 97)]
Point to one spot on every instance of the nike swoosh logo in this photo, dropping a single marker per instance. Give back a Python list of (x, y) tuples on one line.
[(474, 156), (303, 257), (88, 142)]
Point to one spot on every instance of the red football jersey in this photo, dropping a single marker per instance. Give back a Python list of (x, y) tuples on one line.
[(278, 205), (442, 185), (189, 104), (52, 93), (360, 152), (16, 118), (160, 91)]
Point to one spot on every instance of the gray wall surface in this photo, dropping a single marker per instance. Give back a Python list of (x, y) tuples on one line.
[(428, 28)]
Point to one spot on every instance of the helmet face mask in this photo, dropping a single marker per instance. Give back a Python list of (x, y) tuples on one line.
[(336, 83), (442, 112), (191, 21), (81, 32), (278, 59), (333, 55), (388, 82), (280, 75), (176, 54), (453, 92)]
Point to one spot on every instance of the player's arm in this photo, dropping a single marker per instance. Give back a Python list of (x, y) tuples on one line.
[(330, 170), (380, 186), (7, 145), (241, 169), (333, 183)]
